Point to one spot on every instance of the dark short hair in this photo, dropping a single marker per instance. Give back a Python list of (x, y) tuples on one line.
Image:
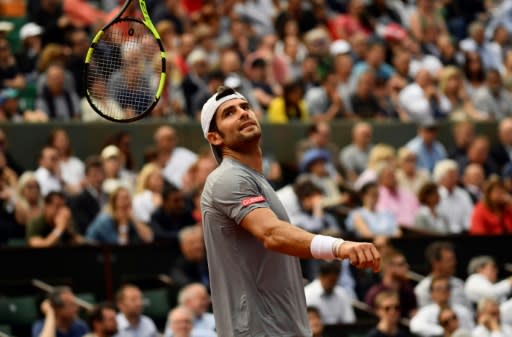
[(436, 279), (434, 250), (96, 315), (120, 291), (330, 268), (92, 162), (426, 191), (48, 199), (168, 190), (258, 63), (55, 296), (312, 309), (306, 188), (367, 187)]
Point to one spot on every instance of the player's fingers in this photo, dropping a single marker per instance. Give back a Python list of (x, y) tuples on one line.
[(369, 256), (361, 257), (354, 259)]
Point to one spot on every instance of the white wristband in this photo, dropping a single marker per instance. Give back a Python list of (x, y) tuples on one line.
[(324, 247)]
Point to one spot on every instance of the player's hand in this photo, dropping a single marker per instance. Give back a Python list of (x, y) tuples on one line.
[(360, 254)]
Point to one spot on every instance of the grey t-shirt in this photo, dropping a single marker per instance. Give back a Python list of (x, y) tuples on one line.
[(255, 292)]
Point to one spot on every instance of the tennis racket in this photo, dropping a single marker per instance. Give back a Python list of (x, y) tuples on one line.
[(125, 67)]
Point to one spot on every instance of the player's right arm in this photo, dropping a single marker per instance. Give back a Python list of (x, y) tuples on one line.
[(282, 237)]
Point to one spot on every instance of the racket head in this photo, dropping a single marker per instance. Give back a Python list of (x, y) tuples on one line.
[(124, 70)]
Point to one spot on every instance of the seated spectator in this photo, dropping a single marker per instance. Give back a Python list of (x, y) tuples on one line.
[(488, 319), (493, 100), (506, 312), (311, 215), (493, 214), (331, 300), (174, 159), (366, 222), (123, 140), (196, 175), (10, 110), (380, 154), (425, 322), (71, 168), (455, 201), (195, 297), (463, 134), (171, 216), (501, 152), (482, 282), (450, 323), (401, 203), (115, 175), (387, 309), (354, 21), (478, 153), (56, 100), (354, 157), (454, 99), (179, 323), (425, 18), (257, 74), (10, 74), (324, 103), (318, 137), (48, 173), (441, 258), (478, 43), (86, 205), (116, 225), (29, 202), (196, 79), (394, 277), (375, 61), (191, 266), (130, 320), (148, 192), (426, 146), (315, 322), (420, 99), (409, 177), (102, 321), (60, 316), (363, 101), (474, 73), (473, 181), (54, 226), (290, 107), (428, 218), (102, 101), (315, 163)]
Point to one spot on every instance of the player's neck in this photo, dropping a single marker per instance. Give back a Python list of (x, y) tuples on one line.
[(252, 158)]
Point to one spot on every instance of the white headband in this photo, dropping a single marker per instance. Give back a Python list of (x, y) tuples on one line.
[(211, 106)]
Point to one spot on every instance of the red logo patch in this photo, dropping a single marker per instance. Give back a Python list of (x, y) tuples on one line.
[(252, 200)]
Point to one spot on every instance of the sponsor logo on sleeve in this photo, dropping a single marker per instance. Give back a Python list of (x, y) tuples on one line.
[(252, 200)]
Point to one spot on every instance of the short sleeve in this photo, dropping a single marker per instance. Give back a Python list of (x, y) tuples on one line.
[(235, 196)]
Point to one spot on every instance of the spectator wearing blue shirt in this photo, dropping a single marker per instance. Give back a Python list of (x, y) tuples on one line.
[(426, 147), (61, 316), (375, 61), (130, 320)]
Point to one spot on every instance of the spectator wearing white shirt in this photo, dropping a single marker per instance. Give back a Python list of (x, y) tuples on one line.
[(450, 323), (195, 298), (174, 159), (354, 157), (148, 192), (332, 301), (130, 320), (426, 323), (455, 202), (48, 173), (420, 99), (440, 255), (506, 312), (71, 168), (482, 281), (489, 322)]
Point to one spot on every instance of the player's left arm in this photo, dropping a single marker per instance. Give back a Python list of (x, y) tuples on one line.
[(282, 237)]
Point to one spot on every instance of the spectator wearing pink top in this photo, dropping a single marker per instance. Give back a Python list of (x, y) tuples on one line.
[(400, 202)]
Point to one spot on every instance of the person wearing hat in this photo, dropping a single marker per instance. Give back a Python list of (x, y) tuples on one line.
[(252, 249), (31, 46), (9, 108)]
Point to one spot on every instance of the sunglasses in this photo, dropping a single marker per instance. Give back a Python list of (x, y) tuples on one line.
[(448, 319)]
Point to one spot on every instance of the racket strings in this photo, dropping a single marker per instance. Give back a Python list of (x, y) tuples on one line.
[(122, 70)]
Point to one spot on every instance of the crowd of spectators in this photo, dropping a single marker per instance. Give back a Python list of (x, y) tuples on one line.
[(316, 61)]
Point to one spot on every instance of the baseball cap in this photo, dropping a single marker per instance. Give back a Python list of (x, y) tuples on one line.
[(208, 113), (6, 26), (311, 156), (110, 151), (8, 93), (339, 47), (30, 29)]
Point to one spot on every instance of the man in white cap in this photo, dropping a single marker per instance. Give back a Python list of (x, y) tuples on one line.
[(252, 249)]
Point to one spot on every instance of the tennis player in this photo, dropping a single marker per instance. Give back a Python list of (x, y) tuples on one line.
[(252, 250)]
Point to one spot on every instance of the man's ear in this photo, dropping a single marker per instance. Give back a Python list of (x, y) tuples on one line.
[(214, 138)]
